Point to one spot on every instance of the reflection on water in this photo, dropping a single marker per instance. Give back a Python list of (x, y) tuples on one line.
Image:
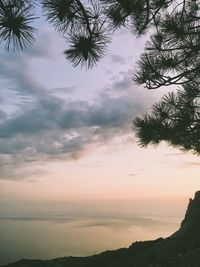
[(57, 236)]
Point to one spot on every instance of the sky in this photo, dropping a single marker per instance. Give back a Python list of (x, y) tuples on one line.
[(66, 135)]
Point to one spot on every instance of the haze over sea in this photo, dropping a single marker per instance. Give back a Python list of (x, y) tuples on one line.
[(80, 229)]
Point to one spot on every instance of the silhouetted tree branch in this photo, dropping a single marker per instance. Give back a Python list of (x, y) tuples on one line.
[(171, 56), (168, 57), (175, 119), (86, 24), (15, 23)]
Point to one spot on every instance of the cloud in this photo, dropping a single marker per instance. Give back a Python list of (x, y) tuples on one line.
[(3, 116), (46, 124), (118, 59), (52, 126), (123, 82), (15, 67)]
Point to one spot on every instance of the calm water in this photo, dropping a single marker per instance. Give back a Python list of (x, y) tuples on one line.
[(54, 236)]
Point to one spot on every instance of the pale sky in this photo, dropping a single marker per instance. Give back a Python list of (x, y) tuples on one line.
[(66, 133)]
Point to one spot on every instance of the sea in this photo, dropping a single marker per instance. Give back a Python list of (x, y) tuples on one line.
[(53, 233)]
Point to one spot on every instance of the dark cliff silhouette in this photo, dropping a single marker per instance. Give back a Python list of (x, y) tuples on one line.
[(181, 249)]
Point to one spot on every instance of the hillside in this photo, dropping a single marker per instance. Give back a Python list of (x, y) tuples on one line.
[(180, 249)]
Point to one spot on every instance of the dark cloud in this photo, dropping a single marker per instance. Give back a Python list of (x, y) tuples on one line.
[(52, 126), (15, 75), (123, 82), (3, 116), (46, 126), (15, 71)]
